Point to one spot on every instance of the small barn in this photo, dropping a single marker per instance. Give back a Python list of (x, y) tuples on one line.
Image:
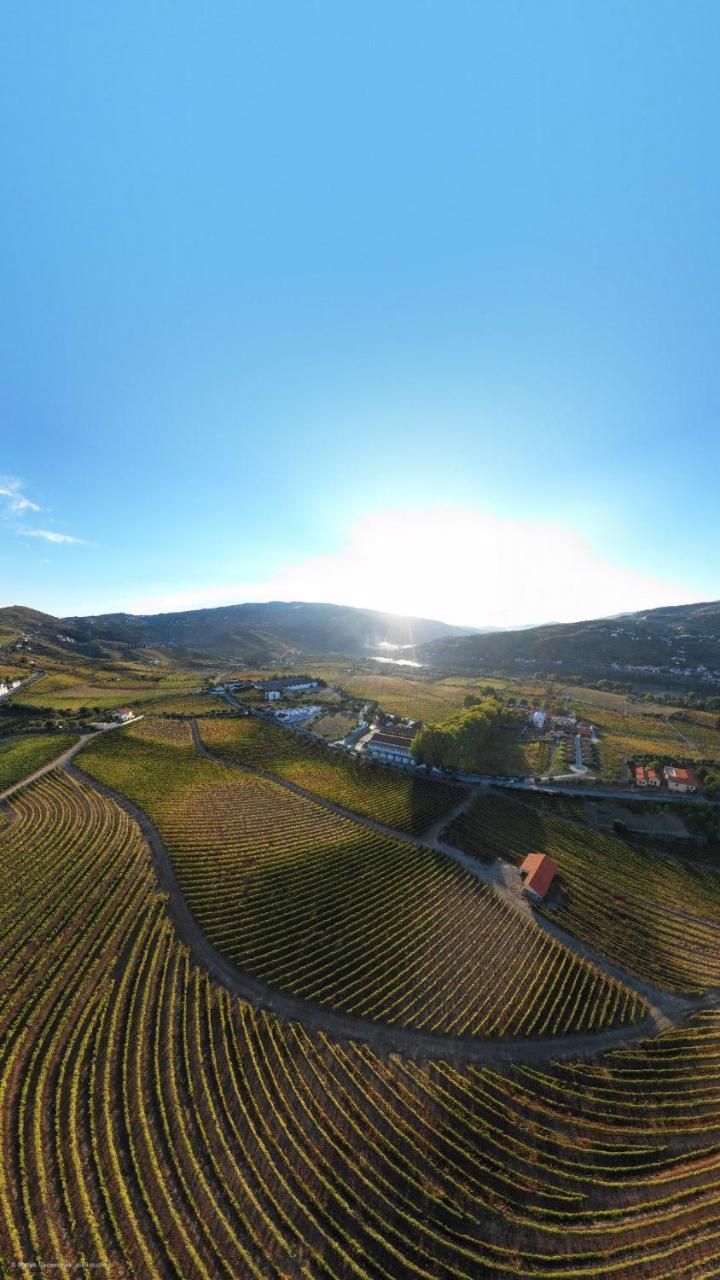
[(538, 872)]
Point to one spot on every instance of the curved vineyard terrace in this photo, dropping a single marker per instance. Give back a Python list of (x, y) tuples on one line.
[(406, 802), (342, 916), (157, 1127), (648, 913)]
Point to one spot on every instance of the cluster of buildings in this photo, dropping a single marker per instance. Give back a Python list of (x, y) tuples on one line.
[(676, 778), (674, 668), (293, 715), (272, 690), (7, 686), (546, 722)]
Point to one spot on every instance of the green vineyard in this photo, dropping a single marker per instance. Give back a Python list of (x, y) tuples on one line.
[(406, 803), (341, 915), (22, 755), (154, 1125), (648, 912)]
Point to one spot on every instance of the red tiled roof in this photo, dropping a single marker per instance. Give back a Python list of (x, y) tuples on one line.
[(540, 871), (686, 776)]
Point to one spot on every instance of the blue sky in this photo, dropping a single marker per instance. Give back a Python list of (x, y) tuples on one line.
[(411, 305)]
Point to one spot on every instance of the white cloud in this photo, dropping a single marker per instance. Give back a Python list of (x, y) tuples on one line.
[(16, 502), (51, 536), (457, 564)]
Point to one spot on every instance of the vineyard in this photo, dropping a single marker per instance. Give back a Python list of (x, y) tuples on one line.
[(153, 1125), (649, 913), (189, 704), (343, 916), (22, 755), (407, 803)]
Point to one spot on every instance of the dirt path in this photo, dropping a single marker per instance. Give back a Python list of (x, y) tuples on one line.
[(383, 1038), (433, 834), (298, 790), (664, 1010), (499, 875), (58, 762)]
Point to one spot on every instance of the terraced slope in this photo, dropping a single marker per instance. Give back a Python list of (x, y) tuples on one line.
[(646, 912), (153, 1126), (405, 802), (340, 915)]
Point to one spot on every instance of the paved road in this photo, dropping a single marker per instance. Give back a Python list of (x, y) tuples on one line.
[(37, 675), (383, 1038), (581, 789)]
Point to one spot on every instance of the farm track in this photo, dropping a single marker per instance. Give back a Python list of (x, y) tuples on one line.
[(58, 762), (664, 1010), (383, 1039)]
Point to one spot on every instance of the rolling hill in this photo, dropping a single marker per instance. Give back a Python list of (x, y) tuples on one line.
[(252, 633), (682, 636)]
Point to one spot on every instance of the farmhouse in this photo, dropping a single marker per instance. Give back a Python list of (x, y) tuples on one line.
[(123, 714), (392, 748), (646, 777), (538, 872), (680, 779)]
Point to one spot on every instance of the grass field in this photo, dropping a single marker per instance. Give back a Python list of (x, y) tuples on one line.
[(23, 755), (406, 802), (340, 915), (651, 914), (333, 727)]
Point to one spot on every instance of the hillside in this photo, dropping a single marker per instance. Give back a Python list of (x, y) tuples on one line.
[(682, 638), (254, 633)]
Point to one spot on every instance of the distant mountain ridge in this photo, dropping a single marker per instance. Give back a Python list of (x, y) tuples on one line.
[(679, 636), (252, 633)]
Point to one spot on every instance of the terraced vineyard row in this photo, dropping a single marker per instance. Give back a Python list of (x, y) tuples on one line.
[(340, 915), (404, 802), (154, 1126), (648, 913)]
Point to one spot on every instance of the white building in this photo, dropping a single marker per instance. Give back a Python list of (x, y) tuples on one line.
[(289, 715), (389, 748), (286, 684)]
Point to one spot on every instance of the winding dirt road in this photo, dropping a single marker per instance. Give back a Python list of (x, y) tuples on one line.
[(664, 1010), (383, 1038)]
